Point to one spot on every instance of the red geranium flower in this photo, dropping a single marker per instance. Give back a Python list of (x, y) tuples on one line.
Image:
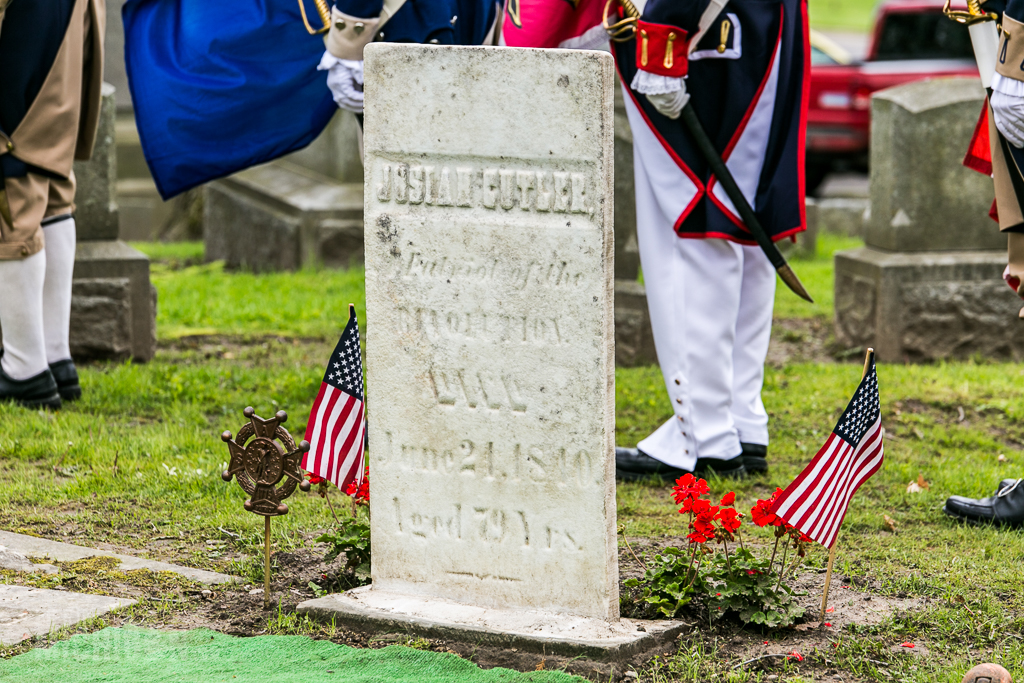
[(762, 516), (696, 537), (314, 479), (729, 519), (360, 491), (688, 487), (728, 499)]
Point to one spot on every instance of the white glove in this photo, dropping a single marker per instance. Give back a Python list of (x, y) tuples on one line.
[(667, 93), (1008, 108), (670, 104), (345, 79)]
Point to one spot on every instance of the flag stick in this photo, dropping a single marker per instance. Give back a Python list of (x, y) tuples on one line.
[(832, 552), (266, 564)]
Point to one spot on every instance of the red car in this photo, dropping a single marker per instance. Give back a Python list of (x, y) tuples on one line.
[(912, 40)]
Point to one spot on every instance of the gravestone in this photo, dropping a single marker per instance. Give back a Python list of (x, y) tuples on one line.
[(305, 209), (113, 304), (927, 284), (489, 272)]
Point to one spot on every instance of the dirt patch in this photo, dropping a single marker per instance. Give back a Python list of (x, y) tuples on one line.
[(170, 602), (805, 340)]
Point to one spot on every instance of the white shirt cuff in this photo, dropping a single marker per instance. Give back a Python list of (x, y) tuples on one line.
[(1007, 85), (652, 84)]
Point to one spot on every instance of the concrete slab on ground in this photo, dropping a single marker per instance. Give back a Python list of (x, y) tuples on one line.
[(54, 551), (562, 634), (27, 612)]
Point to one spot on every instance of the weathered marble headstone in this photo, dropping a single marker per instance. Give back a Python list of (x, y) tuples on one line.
[(490, 357), (928, 284)]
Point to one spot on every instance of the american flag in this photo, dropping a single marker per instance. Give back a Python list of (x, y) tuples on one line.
[(336, 427), (816, 501)]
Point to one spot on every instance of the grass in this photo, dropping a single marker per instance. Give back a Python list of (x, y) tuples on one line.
[(196, 298), (138, 459), (816, 273), (848, 15)]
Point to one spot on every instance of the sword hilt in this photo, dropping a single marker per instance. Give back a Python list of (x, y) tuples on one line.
[(623, 30), (325, 16)]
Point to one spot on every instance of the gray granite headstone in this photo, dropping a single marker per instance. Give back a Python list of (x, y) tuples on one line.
[(928, 284)]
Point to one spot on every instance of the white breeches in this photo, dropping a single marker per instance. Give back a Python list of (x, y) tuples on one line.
[(711, 303)]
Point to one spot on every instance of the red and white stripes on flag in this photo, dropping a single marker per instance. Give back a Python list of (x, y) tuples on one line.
[(336, 426), (817, 500)]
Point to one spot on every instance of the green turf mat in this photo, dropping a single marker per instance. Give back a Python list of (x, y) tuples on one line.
[(136, 655)]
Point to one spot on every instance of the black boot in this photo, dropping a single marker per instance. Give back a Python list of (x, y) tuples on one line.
[(755, 457), (632, 464), (39, 391), (733, 468), (66, 375), (1006, 507)]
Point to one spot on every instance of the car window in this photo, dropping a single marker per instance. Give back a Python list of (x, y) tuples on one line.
[(923, 36), (819, 58)]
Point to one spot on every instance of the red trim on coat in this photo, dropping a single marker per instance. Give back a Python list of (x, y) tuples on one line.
[(801, 157), (732, 238), (672, 153), (743, 127)]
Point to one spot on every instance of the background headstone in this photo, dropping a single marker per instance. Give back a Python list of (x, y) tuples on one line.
[(305, 209), (113, 304), (928, 284)]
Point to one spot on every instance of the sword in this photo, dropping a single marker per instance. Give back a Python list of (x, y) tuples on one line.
[(626, 30)]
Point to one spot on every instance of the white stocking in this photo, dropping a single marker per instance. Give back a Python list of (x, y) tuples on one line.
[(21, 316), (60, 264)]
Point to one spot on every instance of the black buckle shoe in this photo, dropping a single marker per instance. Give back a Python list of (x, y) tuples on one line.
[(1006, 507), (632, 464), (733, 468), (39, 391), (66, 375), (755, 457)]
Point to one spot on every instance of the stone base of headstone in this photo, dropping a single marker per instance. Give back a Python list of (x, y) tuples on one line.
[(558, 634), (923, 306), (634, 341), (113, 304), (281, 216), (843, 215)]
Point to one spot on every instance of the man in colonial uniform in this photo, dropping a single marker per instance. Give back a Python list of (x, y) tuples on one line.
[(51, 66), (744, 66), (998, 150)]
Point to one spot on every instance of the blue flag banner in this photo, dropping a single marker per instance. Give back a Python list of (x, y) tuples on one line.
[(221, 86)]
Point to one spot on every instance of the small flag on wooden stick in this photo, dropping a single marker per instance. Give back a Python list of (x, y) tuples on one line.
[(816, 501), (336, 426)]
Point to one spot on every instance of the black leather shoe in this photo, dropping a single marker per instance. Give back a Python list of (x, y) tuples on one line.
[(1006, 507), (39, 391), (67, 379), (733, 468), (755, 457), (632, 464)]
